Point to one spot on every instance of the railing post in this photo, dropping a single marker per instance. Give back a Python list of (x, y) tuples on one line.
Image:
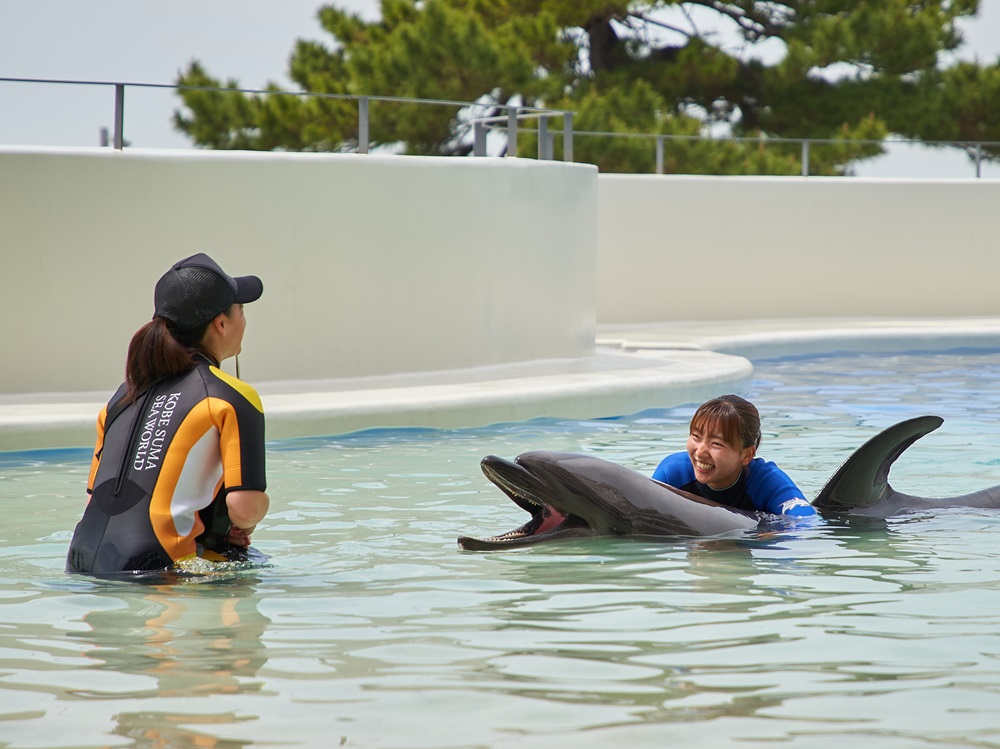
[(363, 124), (659, 154), (544, 153), (979, 160), (478, 139), (512, 131), (805, 158), (568, 136), (119, 116)]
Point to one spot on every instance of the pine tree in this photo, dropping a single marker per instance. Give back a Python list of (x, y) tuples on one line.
[(842, 71)]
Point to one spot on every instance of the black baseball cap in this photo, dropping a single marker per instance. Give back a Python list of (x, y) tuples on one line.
[(196, 289)]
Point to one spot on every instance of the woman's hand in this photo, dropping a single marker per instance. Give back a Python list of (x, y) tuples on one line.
[(246, 509), (239, 536)]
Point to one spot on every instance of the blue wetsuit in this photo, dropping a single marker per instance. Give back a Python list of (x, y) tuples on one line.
[(761, 487)]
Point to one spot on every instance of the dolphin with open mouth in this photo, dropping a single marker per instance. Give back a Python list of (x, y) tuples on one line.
[(576, 496)]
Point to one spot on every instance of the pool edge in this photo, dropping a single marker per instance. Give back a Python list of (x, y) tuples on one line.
[(634, 367)]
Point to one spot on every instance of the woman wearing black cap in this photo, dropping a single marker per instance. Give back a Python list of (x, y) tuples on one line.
[(178, 470)]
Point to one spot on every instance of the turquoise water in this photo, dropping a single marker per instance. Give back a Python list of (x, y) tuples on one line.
[(372, 630)]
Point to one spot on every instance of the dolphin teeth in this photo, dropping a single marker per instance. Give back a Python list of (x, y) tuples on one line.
[(508, 536)]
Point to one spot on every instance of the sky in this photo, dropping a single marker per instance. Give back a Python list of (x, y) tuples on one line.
[(150, 41)]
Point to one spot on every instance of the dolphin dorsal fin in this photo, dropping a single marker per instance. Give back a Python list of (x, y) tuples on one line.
[(863, 480)]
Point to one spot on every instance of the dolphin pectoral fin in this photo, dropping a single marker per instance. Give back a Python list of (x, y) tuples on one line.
[(863, 480)]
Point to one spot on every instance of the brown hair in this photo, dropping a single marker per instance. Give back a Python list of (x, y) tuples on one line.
[(159, 350), (735, 418)]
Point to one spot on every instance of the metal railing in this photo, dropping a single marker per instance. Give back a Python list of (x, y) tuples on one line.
[(511, 123), (975, 147), (515, 113), (546, 138)]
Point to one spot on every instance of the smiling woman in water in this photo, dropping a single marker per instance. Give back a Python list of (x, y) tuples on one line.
[(178, 470), (721, 464)]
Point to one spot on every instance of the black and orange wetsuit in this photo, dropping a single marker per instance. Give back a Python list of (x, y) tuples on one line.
[(161, 470)]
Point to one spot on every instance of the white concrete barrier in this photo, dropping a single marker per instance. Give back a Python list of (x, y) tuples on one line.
[(382, 265), (371, 264), (733, 248)]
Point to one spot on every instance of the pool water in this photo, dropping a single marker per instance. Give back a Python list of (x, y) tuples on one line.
[(371, 629)]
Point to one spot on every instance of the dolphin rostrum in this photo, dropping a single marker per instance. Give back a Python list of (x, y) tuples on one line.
[(571, 495)]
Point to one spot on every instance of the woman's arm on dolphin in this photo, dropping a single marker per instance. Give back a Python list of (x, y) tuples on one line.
[(774, 492)]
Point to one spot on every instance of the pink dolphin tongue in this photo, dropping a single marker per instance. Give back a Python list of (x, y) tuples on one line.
[(552, 519)]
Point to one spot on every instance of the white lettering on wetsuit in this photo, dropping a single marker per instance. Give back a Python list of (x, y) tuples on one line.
[(149, 451)]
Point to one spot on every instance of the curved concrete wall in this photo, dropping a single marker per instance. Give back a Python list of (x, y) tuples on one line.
[(371, 265), (386, 265), (731, 248)]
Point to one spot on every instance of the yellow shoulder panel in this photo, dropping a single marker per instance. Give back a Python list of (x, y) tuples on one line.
[(239, 386)]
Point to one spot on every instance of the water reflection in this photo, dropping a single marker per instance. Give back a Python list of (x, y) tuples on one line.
[(690, 631), (155, 730), (175, 644)]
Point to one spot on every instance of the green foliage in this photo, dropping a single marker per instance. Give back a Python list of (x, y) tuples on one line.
[(960, 103), (847, 71)]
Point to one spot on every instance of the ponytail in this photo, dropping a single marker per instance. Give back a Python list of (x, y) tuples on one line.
[(158, 350)]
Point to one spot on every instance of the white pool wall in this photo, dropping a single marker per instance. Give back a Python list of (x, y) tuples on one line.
[(385, 265), (371, 264), (734, 248)]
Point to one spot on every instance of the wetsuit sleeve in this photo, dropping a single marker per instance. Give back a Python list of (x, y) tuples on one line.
[(772, 490), (675, 470), (239, 415), (98, 449), (111, 411)]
